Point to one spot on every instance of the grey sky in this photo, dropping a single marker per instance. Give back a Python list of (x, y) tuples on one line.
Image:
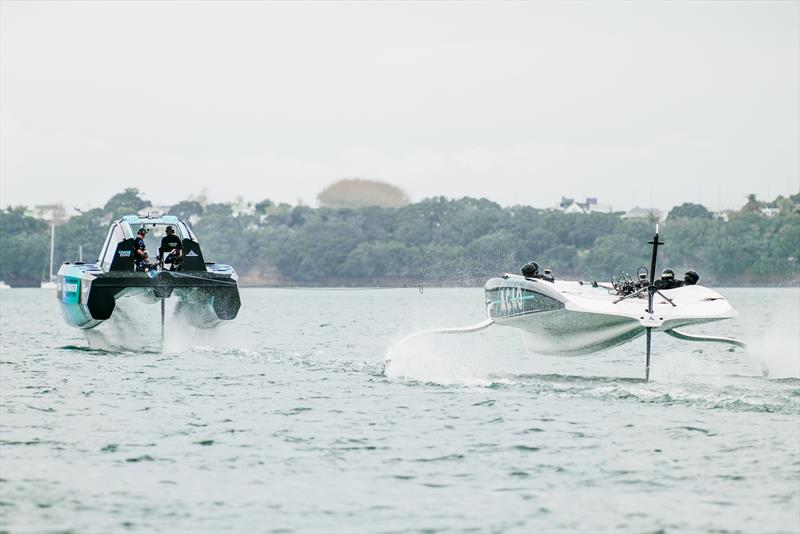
[(635, 103)]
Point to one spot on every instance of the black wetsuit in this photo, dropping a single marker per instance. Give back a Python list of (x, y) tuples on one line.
[(667, 284), (138, 259), (168, 244)]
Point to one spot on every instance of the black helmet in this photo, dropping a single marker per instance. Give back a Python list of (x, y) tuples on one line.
[(169, 229), (668, 274), (530, 269), (142, 231), (691, 278)]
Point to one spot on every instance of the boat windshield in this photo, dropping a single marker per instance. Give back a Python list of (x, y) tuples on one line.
[(155, 233), (127, 228)]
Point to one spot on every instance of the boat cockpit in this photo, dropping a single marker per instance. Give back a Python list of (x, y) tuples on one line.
[(119, 248)]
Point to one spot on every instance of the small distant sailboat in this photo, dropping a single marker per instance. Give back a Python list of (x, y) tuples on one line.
[(50, 283), (3, 285)]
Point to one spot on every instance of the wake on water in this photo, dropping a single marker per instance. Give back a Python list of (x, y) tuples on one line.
[(497, 355), (708, 377), (135, 326), (483, 357)]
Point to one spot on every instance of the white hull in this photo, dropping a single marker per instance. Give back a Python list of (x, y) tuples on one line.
[(566, 332), (564, 317)]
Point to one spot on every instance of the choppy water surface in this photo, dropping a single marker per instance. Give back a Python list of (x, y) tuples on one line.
[(283, 420)]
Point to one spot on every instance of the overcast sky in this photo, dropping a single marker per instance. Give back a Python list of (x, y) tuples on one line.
[(634, 103)]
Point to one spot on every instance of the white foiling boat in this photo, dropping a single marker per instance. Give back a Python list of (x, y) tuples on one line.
[(567, 317), (576, 317)]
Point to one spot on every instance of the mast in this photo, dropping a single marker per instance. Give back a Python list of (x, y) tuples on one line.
[(651, 288), (651, 291), (52, 247)]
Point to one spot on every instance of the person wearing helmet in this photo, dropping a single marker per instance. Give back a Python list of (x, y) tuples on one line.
[(139, 252), (691, 278), (171, 246), (667, 280), (530, 270)]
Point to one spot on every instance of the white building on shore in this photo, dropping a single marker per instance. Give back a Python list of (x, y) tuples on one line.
[(569, 205), (645, 213)]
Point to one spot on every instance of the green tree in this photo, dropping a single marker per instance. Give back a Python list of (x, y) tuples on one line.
[(86, 232), (261, 207), (753, 205), (437, 240), (688, 210), (24, 247), (185, 209), (127, 202)]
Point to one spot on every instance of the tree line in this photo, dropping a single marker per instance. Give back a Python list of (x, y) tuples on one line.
[(434, 241)]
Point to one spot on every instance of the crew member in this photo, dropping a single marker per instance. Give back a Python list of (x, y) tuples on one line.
[(642, 282), (667, 280), (171, 246), (691, 278), (139, 252), (530, 270)]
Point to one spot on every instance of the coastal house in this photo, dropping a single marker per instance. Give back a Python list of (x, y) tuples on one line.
[(649, 214), (770, 211), (569, 205), (52, 213), (574, 207), (153, 211), (723, 215), (242, 207)]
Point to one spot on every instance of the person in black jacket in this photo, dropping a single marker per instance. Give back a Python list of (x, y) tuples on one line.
[(667, 280), (139, 252), (171, 246), (691, 278)]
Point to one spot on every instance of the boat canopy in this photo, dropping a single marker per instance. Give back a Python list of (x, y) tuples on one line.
[(134, 222), (127, 226)]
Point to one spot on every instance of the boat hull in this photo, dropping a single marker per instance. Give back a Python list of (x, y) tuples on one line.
[(566, 332), (88, 296), (563, 317)]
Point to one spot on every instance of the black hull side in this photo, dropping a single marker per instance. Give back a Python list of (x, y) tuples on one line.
[(97, 295)]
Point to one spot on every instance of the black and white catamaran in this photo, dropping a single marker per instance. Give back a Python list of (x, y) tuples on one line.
[(206, 293)]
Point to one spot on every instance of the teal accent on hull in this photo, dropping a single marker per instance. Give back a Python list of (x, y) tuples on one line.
[(78, 315), (71, 290)]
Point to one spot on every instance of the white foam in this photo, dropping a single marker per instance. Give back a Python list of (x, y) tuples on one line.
[(779, 351), (434, 358), (135, 326)]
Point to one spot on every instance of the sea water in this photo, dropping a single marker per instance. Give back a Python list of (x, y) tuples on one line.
[(284, 420)]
